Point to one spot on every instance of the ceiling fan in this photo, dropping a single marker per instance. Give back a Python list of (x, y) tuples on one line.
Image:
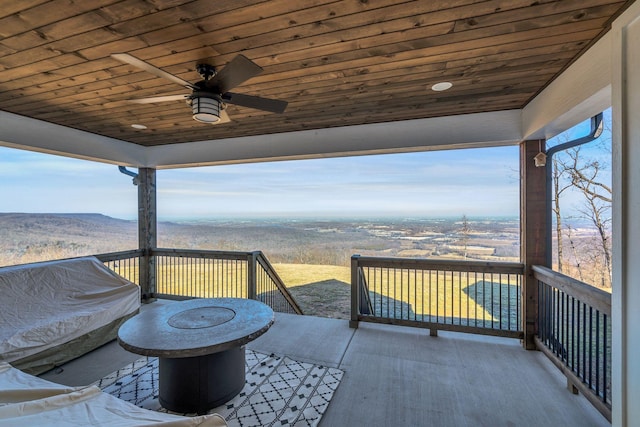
[(208, 97)]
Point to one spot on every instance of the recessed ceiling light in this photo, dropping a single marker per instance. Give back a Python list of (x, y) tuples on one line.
[(439, 87), (137, 126)]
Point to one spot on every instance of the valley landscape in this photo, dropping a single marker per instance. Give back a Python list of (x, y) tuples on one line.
[(312, 256), (36, 237)]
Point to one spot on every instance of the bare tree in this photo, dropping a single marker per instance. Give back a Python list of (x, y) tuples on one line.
[(574, 254), (559, 186), (585, 176)]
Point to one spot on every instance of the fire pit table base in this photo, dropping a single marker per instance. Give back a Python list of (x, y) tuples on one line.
[(199, 384)]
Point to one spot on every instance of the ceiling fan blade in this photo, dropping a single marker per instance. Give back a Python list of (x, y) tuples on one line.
[(158, 99), (238, 71), (266, 104), (145, 66)]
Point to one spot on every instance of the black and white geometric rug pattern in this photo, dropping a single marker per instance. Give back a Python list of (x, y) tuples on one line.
[(278, 391)]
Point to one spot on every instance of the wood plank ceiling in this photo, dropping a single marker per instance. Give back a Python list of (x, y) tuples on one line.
[(337, 63)]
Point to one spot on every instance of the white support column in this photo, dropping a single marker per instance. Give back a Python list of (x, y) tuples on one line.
[(626, 218)]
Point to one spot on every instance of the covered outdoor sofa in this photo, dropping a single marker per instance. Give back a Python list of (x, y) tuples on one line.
[(26, 400), (52, 312)]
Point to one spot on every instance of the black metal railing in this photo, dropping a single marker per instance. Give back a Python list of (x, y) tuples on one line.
[(183, 273), (465, 296), (125, 263), (269, 287), (186, 273), (574, 331)]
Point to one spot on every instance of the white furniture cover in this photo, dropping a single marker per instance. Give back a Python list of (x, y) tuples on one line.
[(26, 400), (44, 305)]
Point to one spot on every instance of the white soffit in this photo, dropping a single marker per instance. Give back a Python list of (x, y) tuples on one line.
[(465, 131), (44, 137), (580, 92), (453, 132)]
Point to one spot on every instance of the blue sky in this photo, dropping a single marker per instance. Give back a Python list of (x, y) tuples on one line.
[(451, 183), (478, 182), (448, 183)]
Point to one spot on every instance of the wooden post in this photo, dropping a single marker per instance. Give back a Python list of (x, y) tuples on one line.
[(355, 292), (147, 230), (534, 203), (252, 275)]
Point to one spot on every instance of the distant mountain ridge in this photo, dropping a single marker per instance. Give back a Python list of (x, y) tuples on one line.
[(93, 217), (27, 237)]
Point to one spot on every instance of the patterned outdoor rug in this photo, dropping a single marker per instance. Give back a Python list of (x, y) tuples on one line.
[(278, 390)]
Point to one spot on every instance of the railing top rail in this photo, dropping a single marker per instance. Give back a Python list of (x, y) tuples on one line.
[(596, 298), (439, 264), (106, 257), (199, 253), (271, 272), (115, 256)]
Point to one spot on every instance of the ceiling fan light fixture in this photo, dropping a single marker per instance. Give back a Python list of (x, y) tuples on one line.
[(205, 108)]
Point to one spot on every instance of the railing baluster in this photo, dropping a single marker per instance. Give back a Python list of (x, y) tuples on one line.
[(573, 331), (500, 300), (591, 347), (604, 358), (437, 296), (417, 296), (556, 326), (452, 293), (423, 309), (475, 288), (597, 352), (484, 300), (430, 302), (578, 340), (549, 323), (492, 302), (401, 299), (467, 298), (389, 292)]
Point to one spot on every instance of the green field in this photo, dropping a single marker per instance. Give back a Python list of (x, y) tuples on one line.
[(325, 290), (471, 299), (320, 290)]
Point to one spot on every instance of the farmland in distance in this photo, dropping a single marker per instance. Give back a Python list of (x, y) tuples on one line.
[(312, 256)]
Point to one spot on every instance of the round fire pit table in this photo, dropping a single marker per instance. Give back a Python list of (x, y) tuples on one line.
[(200, 347)]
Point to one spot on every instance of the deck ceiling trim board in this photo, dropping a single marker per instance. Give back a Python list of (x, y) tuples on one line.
[(468, 131), (35, 135), (453, 132), (339, 63)]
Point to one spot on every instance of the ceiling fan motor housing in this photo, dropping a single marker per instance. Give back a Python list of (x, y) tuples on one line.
[(206, 71)]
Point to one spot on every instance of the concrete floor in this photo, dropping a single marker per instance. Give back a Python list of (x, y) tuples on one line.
[(399, 376)]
